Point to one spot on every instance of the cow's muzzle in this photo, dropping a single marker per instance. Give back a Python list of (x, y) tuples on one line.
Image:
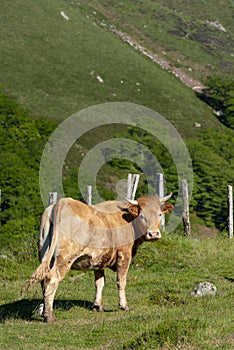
[(153, 235)]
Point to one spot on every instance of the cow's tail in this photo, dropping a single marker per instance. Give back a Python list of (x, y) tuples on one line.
[(43, 270), (46, 232), (37, 276)]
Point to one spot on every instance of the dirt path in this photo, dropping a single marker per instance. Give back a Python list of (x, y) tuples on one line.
[(156, 58), (184, 77)]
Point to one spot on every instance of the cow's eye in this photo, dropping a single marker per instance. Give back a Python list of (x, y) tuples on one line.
[(142, 217), (160, 214)]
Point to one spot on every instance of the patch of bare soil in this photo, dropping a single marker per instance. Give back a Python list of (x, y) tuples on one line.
[(203, 232), (157, 58), (162, 62)]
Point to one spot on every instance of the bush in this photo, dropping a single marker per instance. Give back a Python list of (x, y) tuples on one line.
[(22, 141), (220, 96)]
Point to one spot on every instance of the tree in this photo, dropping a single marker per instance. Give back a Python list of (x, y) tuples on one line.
[(220, 95), (22, 140)]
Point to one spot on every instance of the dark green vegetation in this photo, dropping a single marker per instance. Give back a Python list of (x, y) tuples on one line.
[(219, 94), (22, 140), (49, 65)]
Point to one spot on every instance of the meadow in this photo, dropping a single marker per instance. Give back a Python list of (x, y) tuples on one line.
[(163, 314)]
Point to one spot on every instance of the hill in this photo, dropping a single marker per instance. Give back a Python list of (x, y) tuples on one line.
[(196, 36), (50, 65), (60, 57)]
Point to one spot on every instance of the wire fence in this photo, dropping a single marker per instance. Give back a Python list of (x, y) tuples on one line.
[(20, 212), (34, 208)]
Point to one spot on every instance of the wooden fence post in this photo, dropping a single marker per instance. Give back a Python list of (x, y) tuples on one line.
[(129, 186), (135, 181), (132, 184), (161, 193), (89, 195), (52, 198), (185, 218), (230, 221)]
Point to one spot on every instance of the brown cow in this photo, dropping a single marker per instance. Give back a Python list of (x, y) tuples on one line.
[(78, 236)]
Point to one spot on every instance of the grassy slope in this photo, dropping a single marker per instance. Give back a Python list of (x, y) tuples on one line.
[(46, 64), (180, 30), (162, 311)]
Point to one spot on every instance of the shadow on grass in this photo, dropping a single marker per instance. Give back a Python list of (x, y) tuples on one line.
[(23, 309)]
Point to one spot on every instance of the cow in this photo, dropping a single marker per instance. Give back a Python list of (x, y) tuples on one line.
[(74, 235)]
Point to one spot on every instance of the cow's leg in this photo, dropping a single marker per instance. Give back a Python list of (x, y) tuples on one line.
[(99, 284), (122, 270), (50, 285)]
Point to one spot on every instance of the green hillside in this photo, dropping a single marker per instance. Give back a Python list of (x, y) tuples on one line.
[(50, 64), (60, 57), (53, 55), (196, 36)]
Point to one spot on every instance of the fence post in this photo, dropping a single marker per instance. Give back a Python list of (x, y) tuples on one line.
[(129, 186), (52, 198), (230, 221), (135, 181), (161, 193), (89, 195), (185, 218), (132, 184)]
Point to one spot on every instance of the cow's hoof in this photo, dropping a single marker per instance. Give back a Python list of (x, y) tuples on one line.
[(98, 308), (124, 308), (49, 319)]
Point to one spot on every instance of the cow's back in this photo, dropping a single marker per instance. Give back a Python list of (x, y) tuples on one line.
[(100, 226), (111, 206), (94, 226)]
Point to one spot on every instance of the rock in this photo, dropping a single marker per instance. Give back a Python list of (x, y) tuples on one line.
[(64, 16), (204, 288), (197, 125), (99, 78)]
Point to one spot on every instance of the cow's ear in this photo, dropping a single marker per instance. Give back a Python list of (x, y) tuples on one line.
[(166, 207), (134, 210)]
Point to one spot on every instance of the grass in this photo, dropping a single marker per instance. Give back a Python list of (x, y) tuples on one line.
[(179, 30), (162, 313), (50, 66)]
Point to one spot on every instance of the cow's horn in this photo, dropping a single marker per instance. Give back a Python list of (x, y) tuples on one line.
[(164, 199), (131, 201)]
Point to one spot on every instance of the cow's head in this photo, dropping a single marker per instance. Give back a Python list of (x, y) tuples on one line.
[(147, 212)]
